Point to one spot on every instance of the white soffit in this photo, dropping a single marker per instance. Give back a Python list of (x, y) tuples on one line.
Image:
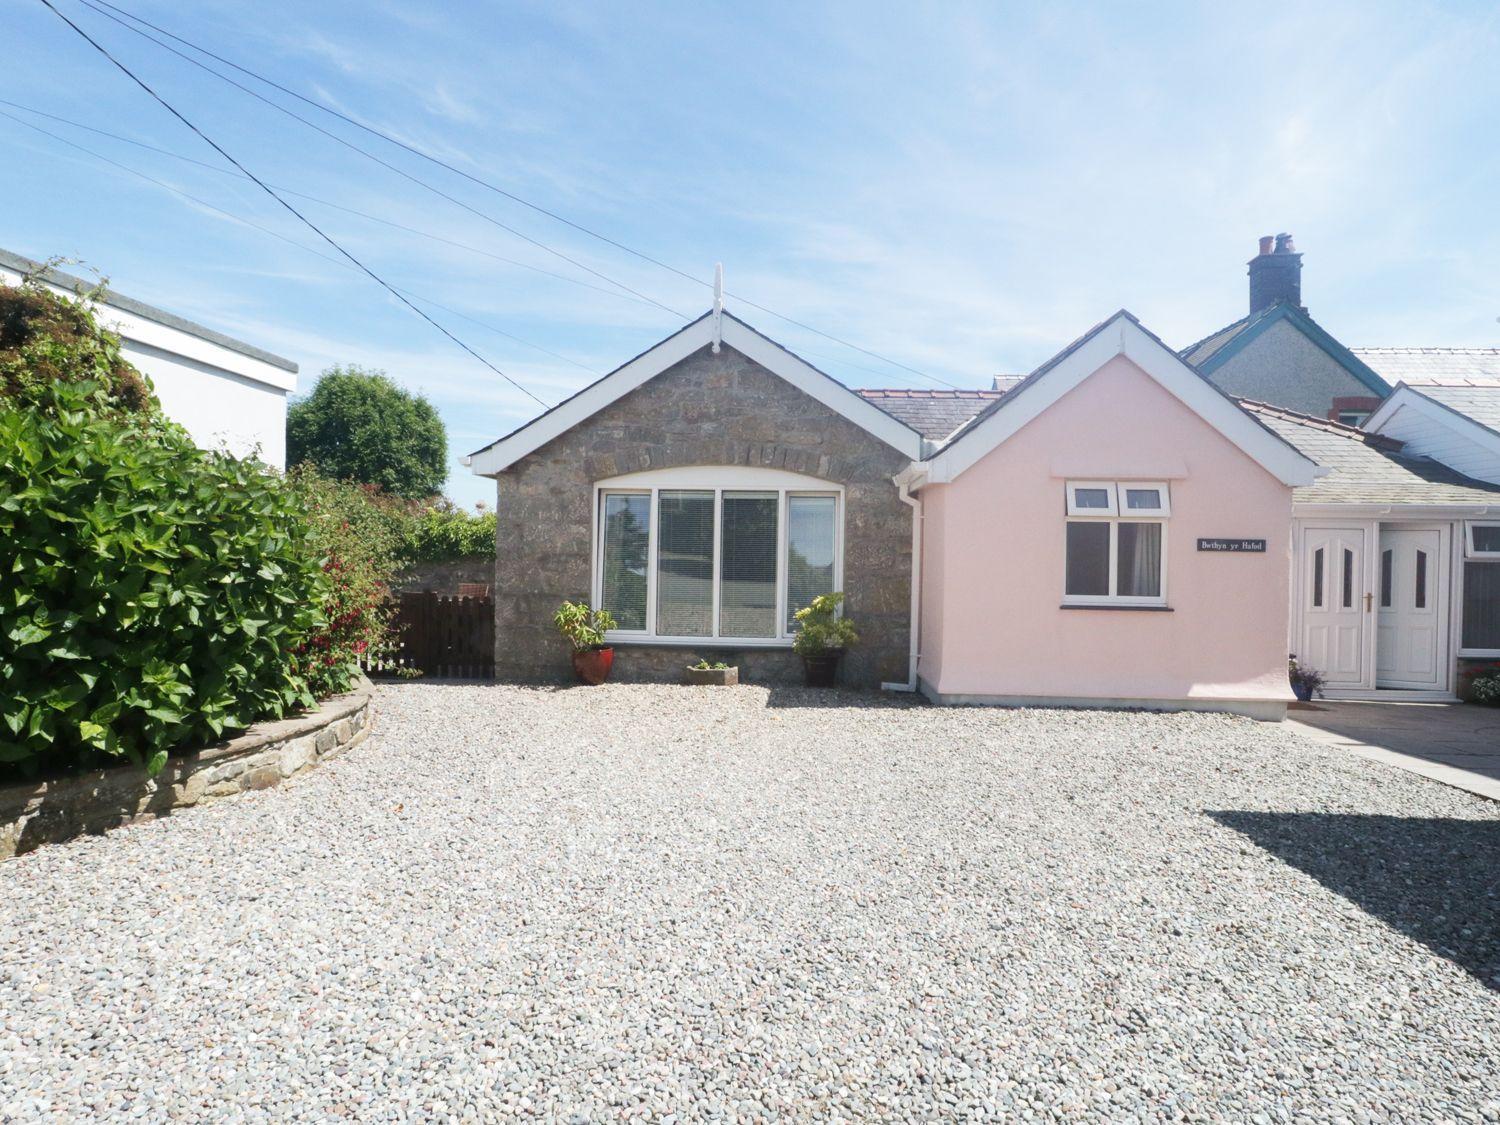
[(700, 333), (1122, 336)]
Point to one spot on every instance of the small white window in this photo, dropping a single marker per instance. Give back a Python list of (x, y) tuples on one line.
[(1482, 540), (1115, 546), (1092, 498), (1353, 417)]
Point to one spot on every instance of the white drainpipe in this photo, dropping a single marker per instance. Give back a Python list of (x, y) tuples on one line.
[(903, 485)]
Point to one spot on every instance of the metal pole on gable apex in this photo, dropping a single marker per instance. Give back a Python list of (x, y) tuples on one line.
[(718, 306)]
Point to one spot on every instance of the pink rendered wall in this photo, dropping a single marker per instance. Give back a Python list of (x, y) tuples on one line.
[(993, 546)]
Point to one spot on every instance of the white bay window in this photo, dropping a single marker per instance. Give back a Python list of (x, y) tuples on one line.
[(1115, 543), (714, 554)]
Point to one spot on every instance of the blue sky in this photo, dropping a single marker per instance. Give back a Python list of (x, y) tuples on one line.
[(961, 188)]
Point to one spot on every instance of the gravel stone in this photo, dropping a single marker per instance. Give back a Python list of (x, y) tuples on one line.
[(659, 903)]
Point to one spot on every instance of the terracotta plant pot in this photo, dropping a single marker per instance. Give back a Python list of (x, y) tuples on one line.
[(821, 671), (592, 666), (714, 677)]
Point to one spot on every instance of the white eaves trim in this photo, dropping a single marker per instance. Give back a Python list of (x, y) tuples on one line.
[(1122, 336), (736, 334), (1405, 396)]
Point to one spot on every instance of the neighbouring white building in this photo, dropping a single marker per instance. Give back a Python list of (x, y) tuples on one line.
[(229, 395)]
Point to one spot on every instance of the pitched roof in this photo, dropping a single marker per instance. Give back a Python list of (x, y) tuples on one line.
[(24, 265), (1441, 366), (1211, 352), (701, 333), (1120, 335), (932, 413), (1478, 403), (1366, 468)]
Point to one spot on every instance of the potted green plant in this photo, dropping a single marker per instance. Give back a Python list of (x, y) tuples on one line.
[(1306, 682), (1484, 688), (717, 674), (823, 636), (584, 629)]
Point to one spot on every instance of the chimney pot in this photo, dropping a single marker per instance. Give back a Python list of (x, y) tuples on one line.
[(1284, 244), (1265, 244)]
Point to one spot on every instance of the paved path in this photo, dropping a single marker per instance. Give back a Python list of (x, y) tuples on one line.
[(1455, 743)]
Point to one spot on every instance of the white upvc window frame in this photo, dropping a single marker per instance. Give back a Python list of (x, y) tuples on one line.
[(1470, 550), (1115, 515), (718, 480)]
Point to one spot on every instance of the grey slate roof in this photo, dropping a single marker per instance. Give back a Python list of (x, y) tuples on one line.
[(1194, 353), (1414, 366), (24, 265), (1368, 468), (932, 413)]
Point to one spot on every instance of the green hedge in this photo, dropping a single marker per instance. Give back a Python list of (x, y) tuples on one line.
[(443, 532), (154, 595)]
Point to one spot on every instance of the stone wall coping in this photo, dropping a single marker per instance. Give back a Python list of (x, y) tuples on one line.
[(56, 809)]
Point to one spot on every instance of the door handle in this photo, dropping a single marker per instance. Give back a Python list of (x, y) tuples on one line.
[(1369, 598)]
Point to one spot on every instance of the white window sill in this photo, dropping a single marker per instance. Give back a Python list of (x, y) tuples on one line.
[(1149, 607), (1479, 653), (628, 640)]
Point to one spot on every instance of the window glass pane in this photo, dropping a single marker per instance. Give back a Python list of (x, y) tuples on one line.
[(1090, 498), (1421, 580), (1487, 537), (1386, 578), (1481, 605), (1149, 498), (1348, 578), (627, 530), (809, 550), (1088, 559), (1318, 577), (1138, 570), (747, 565), (685, 564)]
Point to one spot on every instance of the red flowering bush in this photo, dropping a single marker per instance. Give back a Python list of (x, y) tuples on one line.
[(356, 531)]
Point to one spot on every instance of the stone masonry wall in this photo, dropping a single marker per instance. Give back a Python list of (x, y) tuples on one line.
[(708, 409), (49, 812)]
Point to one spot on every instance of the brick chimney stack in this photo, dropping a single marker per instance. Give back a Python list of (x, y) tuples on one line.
[(1275, 274)]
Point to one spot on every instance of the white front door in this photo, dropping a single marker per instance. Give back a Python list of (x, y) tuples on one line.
[(1410, 639), (1334, 606)]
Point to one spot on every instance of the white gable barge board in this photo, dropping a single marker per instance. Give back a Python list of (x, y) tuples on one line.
[(674, 349), (1122, 336), (156, 328), (1436, 430)]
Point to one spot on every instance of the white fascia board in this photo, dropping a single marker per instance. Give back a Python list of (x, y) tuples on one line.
[(133, 328), (1411, 398), (1394, 512), (1122, 336), (675, 348)]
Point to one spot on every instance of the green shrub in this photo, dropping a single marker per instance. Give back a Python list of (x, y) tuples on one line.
[(582, 627), (356, 533), (46, 338), (155, 595), (821, 629), (443, 532)]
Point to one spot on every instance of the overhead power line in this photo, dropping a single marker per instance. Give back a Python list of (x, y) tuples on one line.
[(240, 219), (303, 218), (230, 172), (108, 10)]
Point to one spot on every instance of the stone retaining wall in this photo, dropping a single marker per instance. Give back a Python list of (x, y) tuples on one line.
[(49, 812)]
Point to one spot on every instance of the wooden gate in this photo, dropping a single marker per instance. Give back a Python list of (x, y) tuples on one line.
[(442, 636)]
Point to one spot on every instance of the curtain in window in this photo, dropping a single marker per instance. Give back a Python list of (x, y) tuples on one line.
[(1139, 566), (685, 564), (747, 565), (627, 534), (809, 550), (1088, 559), (1481, 605)]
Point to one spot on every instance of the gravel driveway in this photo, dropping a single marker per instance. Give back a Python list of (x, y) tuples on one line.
[(638, 901)]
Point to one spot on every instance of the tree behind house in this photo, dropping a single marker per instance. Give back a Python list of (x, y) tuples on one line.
[(359, 425)]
